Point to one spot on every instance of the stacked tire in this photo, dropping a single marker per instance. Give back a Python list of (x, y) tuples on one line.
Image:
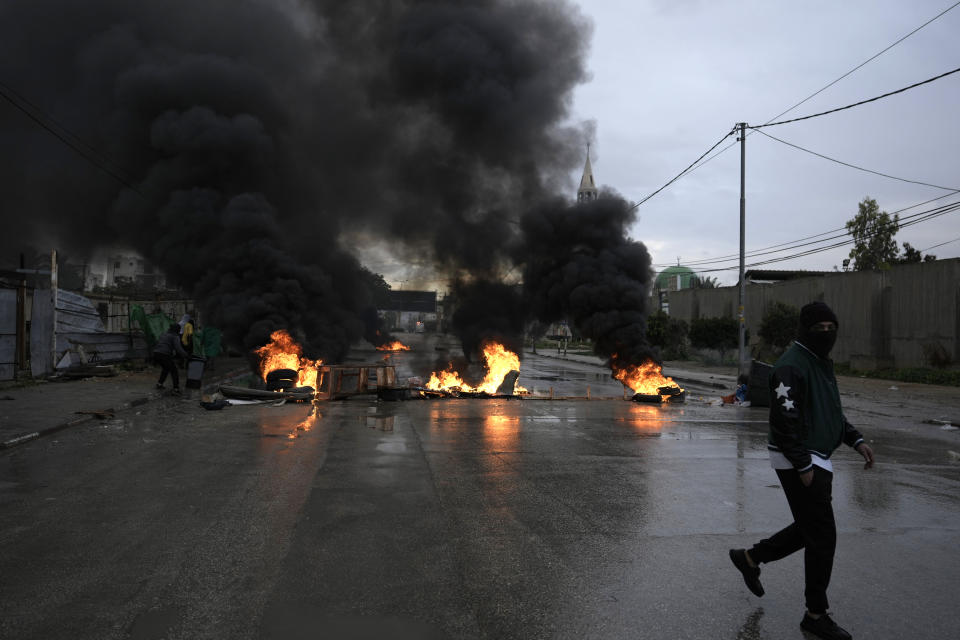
[(282, 379)]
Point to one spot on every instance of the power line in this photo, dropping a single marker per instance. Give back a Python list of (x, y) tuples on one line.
[(818, 92), (906, 221), (70, 139), (870, 59), (948, 209), (679, 175), (939, 245), (857, 104), (853, 166)]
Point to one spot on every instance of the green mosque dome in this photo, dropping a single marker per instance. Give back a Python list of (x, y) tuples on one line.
[(674, 278)]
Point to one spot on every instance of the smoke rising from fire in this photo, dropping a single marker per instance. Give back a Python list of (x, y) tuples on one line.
[(251, 134), (581, 265)]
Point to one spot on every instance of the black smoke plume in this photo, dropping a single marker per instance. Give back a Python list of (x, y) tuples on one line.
[(488, 311), (231, 142), (582, 266)]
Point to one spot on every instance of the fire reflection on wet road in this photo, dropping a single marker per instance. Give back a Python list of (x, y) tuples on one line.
[(465, 518)]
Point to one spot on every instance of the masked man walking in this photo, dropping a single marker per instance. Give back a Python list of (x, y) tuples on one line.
[(806, 426)]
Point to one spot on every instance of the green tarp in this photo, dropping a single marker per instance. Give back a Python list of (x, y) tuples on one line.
[(206, 341)]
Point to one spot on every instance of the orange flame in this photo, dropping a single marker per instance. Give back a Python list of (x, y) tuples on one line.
[(645, 378), (283, 352), (396, 345), (498, 360)]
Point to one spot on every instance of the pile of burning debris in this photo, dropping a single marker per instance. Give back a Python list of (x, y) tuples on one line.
[(502, 371), (289, 376), (648, 382)]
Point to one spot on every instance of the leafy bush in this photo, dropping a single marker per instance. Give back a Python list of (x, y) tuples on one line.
[(936, 355), (950, 378), (779, 325), (670, 334), (777, 329), (721, 334)]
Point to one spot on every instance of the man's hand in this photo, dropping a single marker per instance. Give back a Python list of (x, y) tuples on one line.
[(864, 449), (807, 478)]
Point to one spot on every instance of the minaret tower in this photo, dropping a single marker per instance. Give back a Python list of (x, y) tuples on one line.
[(588, 188)]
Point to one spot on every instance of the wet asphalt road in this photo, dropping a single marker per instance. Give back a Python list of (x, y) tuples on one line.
[(456, 519)]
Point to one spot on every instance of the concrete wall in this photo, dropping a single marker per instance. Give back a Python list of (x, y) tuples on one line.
[(8, 333), (886, 318), (117, 316)]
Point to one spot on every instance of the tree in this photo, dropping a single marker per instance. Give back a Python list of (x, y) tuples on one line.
[(911, 255), (721, 334), (777, 329), (874, 248), (706, 282), (667, 333)]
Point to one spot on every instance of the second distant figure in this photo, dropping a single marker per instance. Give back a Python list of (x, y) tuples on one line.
[(169, 345)]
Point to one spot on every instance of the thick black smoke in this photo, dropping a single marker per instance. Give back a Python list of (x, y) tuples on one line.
[(582, 266), (488, 310), (250, 134)]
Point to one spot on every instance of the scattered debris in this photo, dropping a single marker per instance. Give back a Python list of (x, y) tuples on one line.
[(86, 371), (647, 397), (946, 425), (301, 394), (215, 405), (100, 415)]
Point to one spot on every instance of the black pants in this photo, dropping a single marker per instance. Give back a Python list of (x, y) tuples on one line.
[(168, 366), (813, 530)]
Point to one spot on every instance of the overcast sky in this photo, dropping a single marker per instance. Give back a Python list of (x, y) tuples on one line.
[(671, 77)]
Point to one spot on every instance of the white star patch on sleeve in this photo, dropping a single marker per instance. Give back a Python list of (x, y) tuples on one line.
[(783, 391), (787, 404)]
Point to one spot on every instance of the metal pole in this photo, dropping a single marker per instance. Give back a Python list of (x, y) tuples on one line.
[(21, 356), (53, 299), (743, 225)]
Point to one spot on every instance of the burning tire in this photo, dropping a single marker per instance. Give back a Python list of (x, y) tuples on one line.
[(282, 379)]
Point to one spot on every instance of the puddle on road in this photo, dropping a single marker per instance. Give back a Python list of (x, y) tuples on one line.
[(289, 426)]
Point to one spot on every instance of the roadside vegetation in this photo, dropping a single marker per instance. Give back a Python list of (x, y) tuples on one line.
[(923, 375)]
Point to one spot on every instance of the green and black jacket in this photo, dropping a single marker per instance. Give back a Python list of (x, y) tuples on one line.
[(806, 418)]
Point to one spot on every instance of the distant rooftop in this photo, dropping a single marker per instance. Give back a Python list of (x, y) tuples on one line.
[(773, 275), (414, 301)]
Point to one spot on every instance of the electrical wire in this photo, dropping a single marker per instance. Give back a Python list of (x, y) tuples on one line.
[(835, 234), (853, 166), (870, 59), (784, 246), (680, 175), (70, 139), (819, 91), (938, 245), (857, 104), (953, 207)]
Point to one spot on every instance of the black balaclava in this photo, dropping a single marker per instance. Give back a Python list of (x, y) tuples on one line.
[(820, 342)]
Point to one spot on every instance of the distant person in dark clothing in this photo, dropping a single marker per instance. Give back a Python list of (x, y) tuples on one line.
[(806, 426), (168, 346)]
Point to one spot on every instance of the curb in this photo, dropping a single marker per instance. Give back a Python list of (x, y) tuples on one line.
[(136, 402)]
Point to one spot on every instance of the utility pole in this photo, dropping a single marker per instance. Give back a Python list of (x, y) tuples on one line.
[(53, 299), (743, 235), (21, 352)]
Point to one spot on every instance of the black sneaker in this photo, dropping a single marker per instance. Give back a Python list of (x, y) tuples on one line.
[(824, 627), (175, 391), (751, 575), (159, 386)]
